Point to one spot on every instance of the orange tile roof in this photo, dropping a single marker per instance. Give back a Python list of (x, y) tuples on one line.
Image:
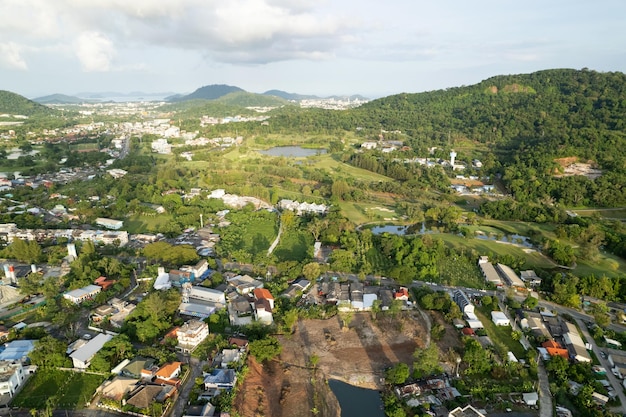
[(168, 369), (260, 293), (551, 344), (558, 352)]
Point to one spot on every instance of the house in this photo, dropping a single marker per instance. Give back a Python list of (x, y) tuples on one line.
[(553, 348), (81, 357), (530, 398), (118, 387), (17, 350), (574, 344), (191, 334), (144, 395), (221, 379), (111, 224), (11, 377), (299, 286), (489, 272), (510, 277), (463, 301), (500, 319), (138, 368), (206, 410), (168, 374), (530, 277), (228, 356), (79, 295), (104, 283), (240, 342), (240, 311), (599, 399), (179, 277), (162, 281), (467, 411), (244, 284), (263, 311), (263, 294), (207, 294), (401, 294)]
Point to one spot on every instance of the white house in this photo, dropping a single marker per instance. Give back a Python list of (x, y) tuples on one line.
[(79, 295), (191, 334), (500, 319), (110, 223), (11, 377), (207, 294), (82, 356)]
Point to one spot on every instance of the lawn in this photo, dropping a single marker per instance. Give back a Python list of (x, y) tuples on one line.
[(338, 169), (294, 245), (361, 213), (499, 334), (142, 224), (533, 259), (63, 389)]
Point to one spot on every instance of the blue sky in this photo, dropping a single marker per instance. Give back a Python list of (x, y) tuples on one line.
[(323, 47)]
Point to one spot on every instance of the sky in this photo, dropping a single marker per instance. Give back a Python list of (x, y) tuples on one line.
[(324, 47)]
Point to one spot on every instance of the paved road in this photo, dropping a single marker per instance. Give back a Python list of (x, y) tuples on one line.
[(615, 383), (546, 408), (196, 371)]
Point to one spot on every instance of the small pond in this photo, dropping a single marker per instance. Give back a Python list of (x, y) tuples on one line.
[(292, 151), (356, 401), (514, 239)]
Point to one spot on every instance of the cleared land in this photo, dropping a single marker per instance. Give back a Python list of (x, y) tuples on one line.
[(291, 387)]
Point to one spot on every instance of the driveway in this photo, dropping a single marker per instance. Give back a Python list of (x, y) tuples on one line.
[(615, 383), (545, 396)]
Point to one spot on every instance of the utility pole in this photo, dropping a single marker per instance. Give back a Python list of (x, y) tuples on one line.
[(201, 222)]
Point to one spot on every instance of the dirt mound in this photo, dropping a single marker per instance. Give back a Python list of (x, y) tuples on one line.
[(291, 387)]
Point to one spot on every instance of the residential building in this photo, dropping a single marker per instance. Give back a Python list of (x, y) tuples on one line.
[(11, 377), (17, 350), (463, 301), (467, 411), (144, 395), (221, 379), (110, 223), (207, 294), (530, 277), (240, 311), (118, 387), (191, 334), (138, 368), (489, 272), (500, 319), (81, 357), (509, 276), (80, 295), (574, 343)]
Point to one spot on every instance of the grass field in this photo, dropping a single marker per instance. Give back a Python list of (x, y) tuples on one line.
[(500, 334), (339, 169), (294, 246), (62, 389), (361, 213), (143, 224)]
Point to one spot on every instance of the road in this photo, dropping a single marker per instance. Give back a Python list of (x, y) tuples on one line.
[(615, 383), (196, 367), (545, 396)]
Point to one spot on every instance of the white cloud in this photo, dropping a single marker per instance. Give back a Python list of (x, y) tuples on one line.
[(11, 57), (94, 51)]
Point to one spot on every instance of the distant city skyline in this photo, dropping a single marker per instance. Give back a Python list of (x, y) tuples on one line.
[(319, 47)]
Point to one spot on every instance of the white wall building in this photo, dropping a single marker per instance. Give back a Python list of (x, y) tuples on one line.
[(81, 357), (191, 334), (11, 377)]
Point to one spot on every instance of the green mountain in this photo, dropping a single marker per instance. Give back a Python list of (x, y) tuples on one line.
[(288, 96), (208, 92), (245, 99), (523, 127), (12, 103), (63, 99)]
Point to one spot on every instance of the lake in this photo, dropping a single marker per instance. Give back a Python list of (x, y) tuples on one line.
[(356, 401), (514, 239), (292, 151)]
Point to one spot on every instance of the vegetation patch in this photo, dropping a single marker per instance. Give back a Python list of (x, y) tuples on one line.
[(50, 388)]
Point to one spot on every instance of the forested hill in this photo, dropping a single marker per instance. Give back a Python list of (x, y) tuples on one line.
[(11, 103), (527, 121)]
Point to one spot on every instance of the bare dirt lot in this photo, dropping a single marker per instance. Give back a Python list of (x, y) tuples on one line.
[(291, 387)]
